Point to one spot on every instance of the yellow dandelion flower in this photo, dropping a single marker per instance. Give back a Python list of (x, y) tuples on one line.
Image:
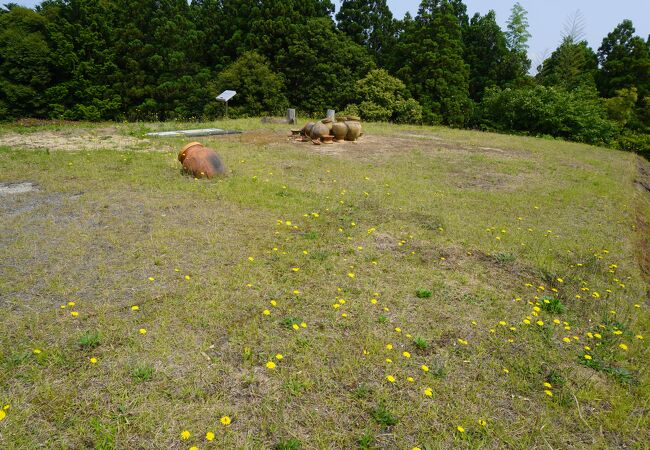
[(36, 351), (527, 322), (623, 347), (3, 414), (209, 436), (424, 368), (71, 303), (482, 422), (428, 392), (540, 323), (351, 275), (135, 308), (398, 330), (639, 337), (274, 303), (296, 292), (266, 312), (548, 392), (373, 301), (295, 269), (390, 378), (225, 421), (406, 354), (74, 314), (588, 357), (270, 365), (503, 323), (142, 331), (389, 346), (303, 325), (185, 435), (410, 379), (295, 326), (460, 429), (151, 279), (187, 277), (618, 332), (93, 360), (566, 339), (505, 370), (389, 361)]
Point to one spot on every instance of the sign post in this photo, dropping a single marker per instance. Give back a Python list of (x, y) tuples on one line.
[(224, 97)]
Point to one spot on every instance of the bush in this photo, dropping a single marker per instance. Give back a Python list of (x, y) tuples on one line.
[(577, 115), (382, 98), (260, 91), (634, 142)]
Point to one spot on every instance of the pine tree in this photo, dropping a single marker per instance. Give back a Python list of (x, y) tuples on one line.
[(432, 63), (487, 54), (369, 23), (625, 62)]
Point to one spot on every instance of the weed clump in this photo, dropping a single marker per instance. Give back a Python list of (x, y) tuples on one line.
[(423, 293), (553, 305)]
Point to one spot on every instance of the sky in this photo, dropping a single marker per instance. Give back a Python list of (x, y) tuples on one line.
[(545, 17)]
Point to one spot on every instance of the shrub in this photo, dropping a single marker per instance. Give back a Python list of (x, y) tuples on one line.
[(423, 293), (577, 115)]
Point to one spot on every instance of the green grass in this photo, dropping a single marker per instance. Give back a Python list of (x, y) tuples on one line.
[(487, 225)]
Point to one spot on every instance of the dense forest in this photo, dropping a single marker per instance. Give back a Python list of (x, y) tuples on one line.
[(168, 59)]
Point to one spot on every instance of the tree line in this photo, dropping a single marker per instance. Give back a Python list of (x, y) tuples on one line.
[(168, 59)]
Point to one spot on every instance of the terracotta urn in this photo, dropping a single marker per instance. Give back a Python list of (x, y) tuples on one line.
[(354, 130), (306, 130), (319, 130), (328, 139), (201, 161), (339, 130), (329, 123)]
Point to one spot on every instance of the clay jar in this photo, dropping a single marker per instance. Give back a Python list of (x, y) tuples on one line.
[(200, 161), (339, 130), (328, 123), (354, 130), (319, 130), (306, 130)]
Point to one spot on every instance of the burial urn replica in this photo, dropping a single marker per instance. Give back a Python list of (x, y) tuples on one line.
[(200, 161)]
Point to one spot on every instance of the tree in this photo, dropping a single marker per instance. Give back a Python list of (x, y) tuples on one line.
[(487, 54), (25, 65), (369, 23), (432, 63), (382, 97), (571, 64), (260, 91), (517, 38), (625, 62)]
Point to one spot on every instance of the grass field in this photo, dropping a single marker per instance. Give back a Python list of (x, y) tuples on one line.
[(423, 288)]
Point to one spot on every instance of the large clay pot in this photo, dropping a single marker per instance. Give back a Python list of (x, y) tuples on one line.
[(329, 123), (354, 130), (201, 161), (306, 130), (319, 130), (339, 130)]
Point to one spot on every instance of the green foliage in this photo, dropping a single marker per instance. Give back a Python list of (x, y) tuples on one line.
[(383, 416), (421, 343), (625, 61), (552, 305), (368, 23), (487, 55), (383, 97), (291, 444), (432, 65), (577, 115), (142, 373), (517, 38), (570, 65), (90, 340), (260, 91), (621, 107), (423, 293)]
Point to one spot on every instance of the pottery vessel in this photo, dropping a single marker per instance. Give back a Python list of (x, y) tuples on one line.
[(201, 161), (328, 139), (329, 123), (319, 130), (354, 130), (306, 130), (339, 130)]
